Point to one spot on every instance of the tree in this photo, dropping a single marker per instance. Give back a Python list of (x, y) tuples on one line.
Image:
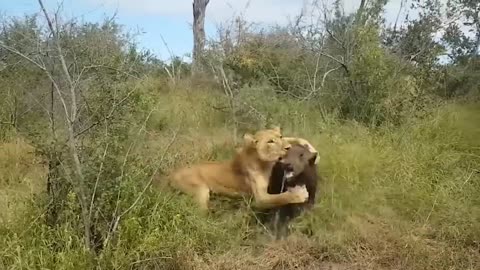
[(462, 34), (74, 75), (415, 40), (199, 8)]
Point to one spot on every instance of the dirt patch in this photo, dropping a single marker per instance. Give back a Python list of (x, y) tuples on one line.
[(298, 253)]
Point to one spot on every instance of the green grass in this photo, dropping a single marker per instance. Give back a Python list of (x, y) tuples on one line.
[(392, 198), (411, 191)]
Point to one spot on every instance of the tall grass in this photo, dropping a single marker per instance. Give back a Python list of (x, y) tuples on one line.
[(391, 198)]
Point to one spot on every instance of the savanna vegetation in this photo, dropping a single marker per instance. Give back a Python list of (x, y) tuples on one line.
[(91, 125)]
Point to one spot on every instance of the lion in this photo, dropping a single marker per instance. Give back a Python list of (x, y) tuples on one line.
[(247, 173)]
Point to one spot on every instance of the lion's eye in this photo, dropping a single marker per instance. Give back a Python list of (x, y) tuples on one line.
[(270, 141), (301, 155)]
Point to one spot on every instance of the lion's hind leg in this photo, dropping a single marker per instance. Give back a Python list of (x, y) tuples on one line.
[(202, 196), (190, 185)]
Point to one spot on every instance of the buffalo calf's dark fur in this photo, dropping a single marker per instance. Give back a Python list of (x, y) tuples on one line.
[(299, 162)]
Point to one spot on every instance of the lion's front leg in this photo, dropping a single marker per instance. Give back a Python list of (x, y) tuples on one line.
[(264, 200)]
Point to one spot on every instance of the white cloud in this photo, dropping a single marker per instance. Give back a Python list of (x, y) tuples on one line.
[(145, 7), (263, 11), (268, 11)]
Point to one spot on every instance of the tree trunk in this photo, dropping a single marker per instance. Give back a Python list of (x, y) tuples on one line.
[(476, 17), (360, 11), (199, 8)]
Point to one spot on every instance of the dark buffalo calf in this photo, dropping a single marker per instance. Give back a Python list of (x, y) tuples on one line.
[(296, 169)]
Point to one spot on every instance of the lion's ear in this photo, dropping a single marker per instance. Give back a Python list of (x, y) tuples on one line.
[(277, 129), (248, 139)]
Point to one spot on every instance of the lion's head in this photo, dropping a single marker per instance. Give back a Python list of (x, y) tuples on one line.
[(268, 143)]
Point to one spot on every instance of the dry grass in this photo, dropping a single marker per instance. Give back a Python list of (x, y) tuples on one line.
[(392, 198), (21, 175)]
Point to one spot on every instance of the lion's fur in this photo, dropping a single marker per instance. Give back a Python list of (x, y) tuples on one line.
[(246, 174)]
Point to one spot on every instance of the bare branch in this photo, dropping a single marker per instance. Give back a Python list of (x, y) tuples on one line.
[(314, 91), (165, 151), (73, 111), (98, 177), (402, 3), (231, 98), (117, 219), (110, 114), (43, 68), (336, 39), (79, 185), (337, 60), (14, 51), (171, 73)]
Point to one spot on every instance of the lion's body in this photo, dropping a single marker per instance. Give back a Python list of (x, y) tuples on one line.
[(219, 177), (247, 173)]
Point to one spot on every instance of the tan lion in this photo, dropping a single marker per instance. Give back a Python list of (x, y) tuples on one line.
[(247, 173)]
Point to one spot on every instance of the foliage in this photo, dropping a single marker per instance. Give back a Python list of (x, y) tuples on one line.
[(397, 133), (463, 13)]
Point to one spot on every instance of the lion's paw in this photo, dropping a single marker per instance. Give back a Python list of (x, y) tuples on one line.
[(299, 194)]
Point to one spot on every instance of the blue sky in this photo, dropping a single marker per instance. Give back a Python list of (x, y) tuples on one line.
[(172, 18)]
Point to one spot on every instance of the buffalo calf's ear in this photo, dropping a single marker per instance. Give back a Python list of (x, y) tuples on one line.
[(312, 158)]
